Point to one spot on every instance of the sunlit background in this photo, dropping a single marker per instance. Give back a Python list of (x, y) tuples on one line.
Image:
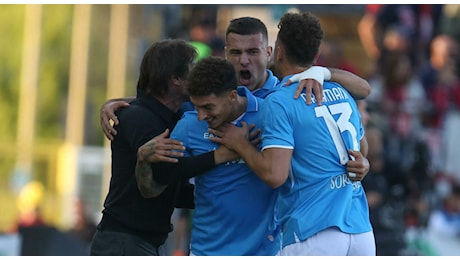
[(60, 63)]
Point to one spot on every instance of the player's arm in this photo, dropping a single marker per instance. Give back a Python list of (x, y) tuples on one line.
[(271, 165), (158, 149), (313, 78), (359, 167), (358, 87), (108, 113), (188, 167), (364, 146), (156, 167), (153, 178)]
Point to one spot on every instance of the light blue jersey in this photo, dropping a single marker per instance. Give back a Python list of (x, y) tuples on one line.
[(317, 194), (270, 85), (234, 209)]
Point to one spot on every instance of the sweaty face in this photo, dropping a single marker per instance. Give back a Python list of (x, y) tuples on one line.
[(216, 110), (250, 55)]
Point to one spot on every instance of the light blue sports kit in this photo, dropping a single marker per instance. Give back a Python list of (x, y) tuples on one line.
[(318, 193), (270, 85), (234, 209)]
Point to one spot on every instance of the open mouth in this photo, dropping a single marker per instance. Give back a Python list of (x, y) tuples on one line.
[(245, 77)]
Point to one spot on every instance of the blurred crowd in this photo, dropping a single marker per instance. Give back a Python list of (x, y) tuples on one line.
[(32, 235), (413, 111)]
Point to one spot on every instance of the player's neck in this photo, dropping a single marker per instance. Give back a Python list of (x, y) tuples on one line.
[(240, 107), (290, 69), (173, 102)]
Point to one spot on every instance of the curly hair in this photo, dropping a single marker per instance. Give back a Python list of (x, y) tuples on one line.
[(162, 61), (301, 35), (212, 75)]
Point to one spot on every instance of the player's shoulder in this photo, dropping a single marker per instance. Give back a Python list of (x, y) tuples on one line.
[(189, 116), (281, 91), (190, 113), (134, 112)]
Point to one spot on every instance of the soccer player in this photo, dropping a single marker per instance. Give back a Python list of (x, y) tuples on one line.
[(305, 151)]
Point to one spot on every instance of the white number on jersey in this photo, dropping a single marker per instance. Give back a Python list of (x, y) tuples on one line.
[(343, 124)]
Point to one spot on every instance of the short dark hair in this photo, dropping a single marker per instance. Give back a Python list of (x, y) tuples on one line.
[(247, 26), (162, 61), (212, 75), (301, 35)]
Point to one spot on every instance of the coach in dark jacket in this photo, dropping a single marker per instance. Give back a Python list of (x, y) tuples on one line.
[(132, 224)]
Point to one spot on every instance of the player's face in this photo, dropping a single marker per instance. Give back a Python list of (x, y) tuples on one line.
[(216, 110), (250, 55)]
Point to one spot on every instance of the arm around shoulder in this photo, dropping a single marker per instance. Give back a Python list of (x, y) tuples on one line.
[(358, 87)]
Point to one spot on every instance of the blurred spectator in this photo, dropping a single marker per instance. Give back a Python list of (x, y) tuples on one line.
[(417, 102), (84, 227), (451, 144), (28, 202), (202, 27), (332, 55), (199, 27), (415, 23), (401, 100), (37, 237), (398, 92), (442, 83), (385, 214), (204, 31), (445, 220), (368, 31), (440, 79), (407, 157), (450, 21)]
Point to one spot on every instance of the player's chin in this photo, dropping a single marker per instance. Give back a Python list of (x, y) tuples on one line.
[(211, 124), (245, 82), (216, 124)]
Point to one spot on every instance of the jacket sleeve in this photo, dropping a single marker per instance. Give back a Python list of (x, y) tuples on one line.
[(187, 167)]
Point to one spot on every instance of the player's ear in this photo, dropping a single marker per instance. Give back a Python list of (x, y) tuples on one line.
[(279, 53), (269, 51), (233, 96)]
